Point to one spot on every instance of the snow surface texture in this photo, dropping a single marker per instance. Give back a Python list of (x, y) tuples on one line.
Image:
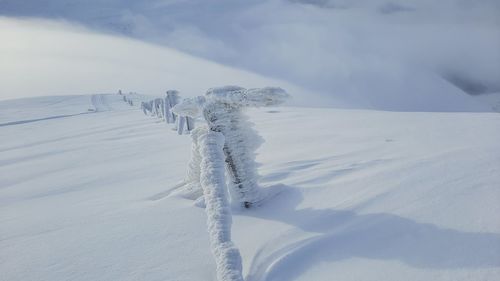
[(213, 182), (364, 195)]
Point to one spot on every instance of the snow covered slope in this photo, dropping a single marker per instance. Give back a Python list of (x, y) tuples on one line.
[(83, 61), (364, 195)]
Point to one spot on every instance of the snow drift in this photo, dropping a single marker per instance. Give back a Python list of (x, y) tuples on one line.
[(365, 195)]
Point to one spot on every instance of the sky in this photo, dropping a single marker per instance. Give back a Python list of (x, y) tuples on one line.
[(404, 51)]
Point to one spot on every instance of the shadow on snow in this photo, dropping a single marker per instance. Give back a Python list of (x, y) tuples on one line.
[(381, 236)]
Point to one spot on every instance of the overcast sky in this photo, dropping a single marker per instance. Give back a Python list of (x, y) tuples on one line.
[(331, 46)]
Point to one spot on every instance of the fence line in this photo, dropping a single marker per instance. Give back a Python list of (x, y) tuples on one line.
[(224, 144)]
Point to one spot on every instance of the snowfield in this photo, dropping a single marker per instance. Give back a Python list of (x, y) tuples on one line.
[(86, 193)]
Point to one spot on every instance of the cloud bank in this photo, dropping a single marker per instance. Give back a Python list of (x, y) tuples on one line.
[(41, 57), (395, 55)]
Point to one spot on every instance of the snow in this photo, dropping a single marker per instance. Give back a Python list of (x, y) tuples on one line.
[(358, 195)]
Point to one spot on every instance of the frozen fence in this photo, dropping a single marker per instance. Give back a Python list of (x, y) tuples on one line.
[(223, 145), (225, 142), (222, 110), (162, 108), (133, 98), (227, 256)]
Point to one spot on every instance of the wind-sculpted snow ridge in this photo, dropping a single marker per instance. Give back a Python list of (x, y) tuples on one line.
[(213, 182)]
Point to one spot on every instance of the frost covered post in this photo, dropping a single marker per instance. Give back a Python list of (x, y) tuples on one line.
[(189, 123), (225, 143), (147, 107), (171, 99), (181, 121), (158, 107), (222, 109), (223, 113), (191, 107), (213, 183), (185, 124)]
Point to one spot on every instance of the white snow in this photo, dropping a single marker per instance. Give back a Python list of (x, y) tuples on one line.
[(359, 195)]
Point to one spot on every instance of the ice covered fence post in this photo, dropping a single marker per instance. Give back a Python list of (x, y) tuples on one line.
[(144, 107), (191, 108), (171, 99), (147, 107), (222, 109), (227, 141), (185, 123), (213, 183), (158, 107), (223, 112), (181, 121)]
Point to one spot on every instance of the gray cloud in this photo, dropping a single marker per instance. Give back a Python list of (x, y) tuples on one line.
[(392, 8), (338, 47)]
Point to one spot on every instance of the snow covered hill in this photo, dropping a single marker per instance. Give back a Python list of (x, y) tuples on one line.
[(84, 61), (86, 181)]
